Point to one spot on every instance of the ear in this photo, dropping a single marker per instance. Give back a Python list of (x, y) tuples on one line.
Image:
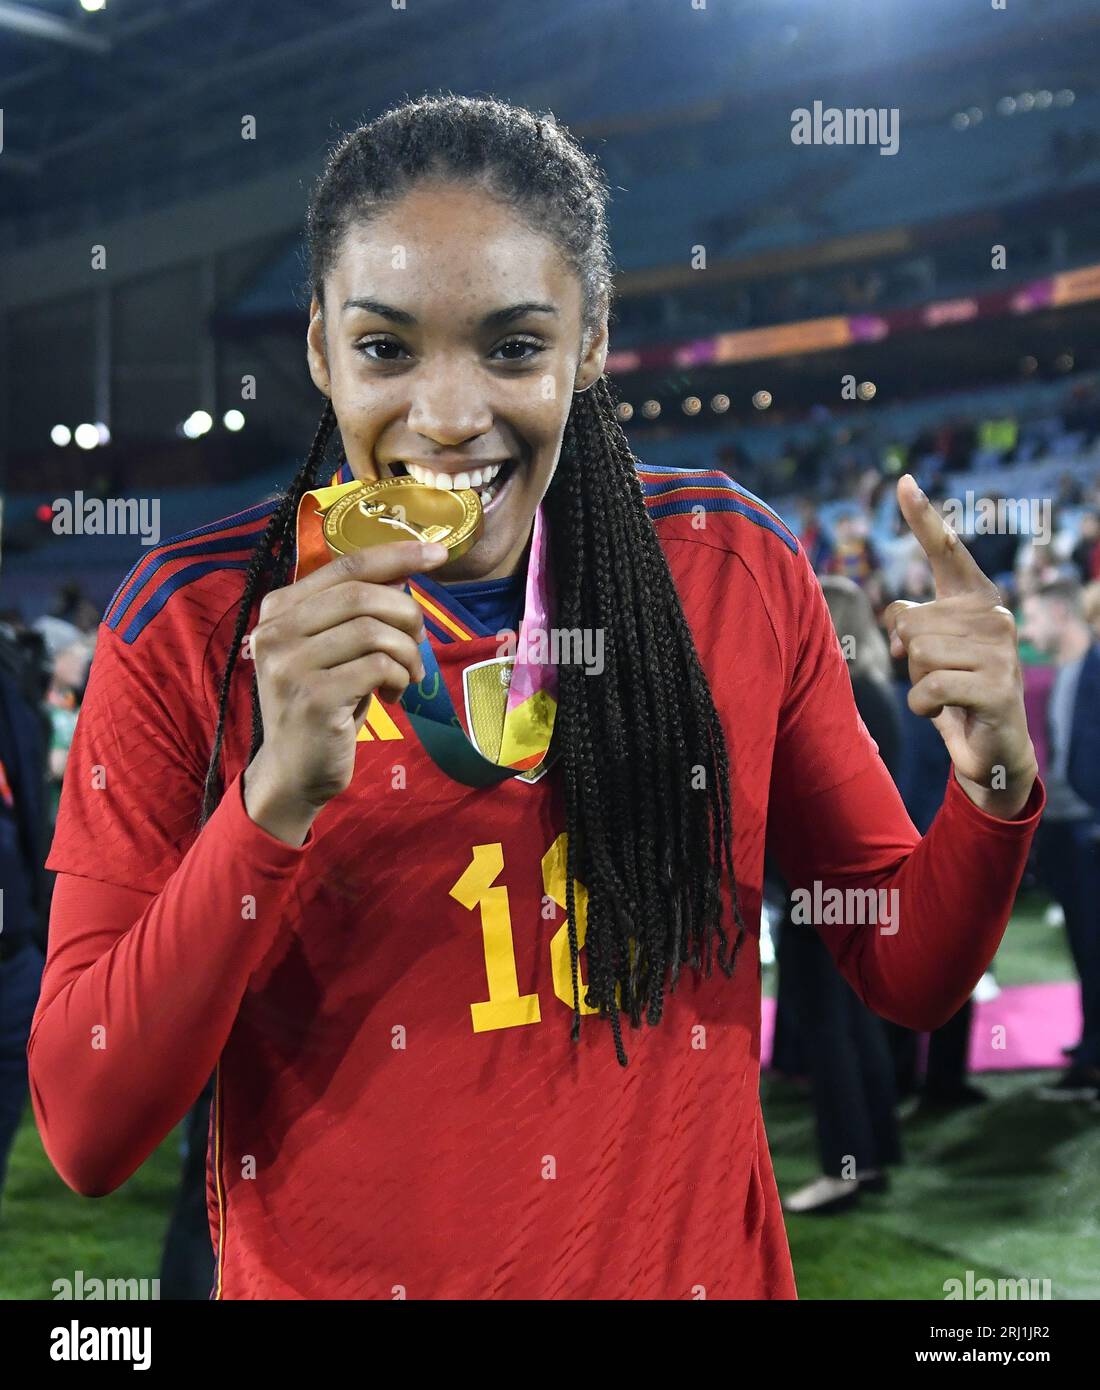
[(590, 368), (316, 353)]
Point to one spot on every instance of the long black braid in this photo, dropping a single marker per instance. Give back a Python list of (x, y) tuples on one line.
[(268, 569), (643, 762)]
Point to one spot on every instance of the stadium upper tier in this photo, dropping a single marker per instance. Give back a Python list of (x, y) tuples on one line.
[(115, 147), (796, 194)]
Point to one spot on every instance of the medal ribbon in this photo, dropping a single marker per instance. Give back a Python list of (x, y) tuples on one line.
[(530, 704)]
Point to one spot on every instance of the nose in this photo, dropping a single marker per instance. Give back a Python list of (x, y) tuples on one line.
[(449, 404)]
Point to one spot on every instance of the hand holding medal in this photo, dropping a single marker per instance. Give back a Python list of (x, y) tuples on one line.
[(322, 648), (342, 632)]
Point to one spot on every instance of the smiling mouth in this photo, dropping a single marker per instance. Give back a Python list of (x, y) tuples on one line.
[(488, 482)]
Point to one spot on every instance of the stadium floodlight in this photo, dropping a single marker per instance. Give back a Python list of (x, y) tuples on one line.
[(1006, 106), (1065, 97), (651, 409), (103, 432), (624, 410), (92, 6), (86, 436), (1025, 101), (720, 403), (61, 435), (197, 423), (1043, 100), (960, 120), (233, 420)]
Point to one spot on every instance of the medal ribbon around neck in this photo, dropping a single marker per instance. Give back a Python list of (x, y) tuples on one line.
[(530, 700)]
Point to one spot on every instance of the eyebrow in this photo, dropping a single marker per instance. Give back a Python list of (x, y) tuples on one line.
[(496, 319)]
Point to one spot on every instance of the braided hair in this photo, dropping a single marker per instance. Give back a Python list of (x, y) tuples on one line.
[(648, 835)]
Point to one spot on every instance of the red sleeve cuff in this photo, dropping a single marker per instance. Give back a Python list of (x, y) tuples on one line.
[(1019, 827), (264, 850)]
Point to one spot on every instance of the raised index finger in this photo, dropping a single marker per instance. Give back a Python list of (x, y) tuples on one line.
[(954, 569)]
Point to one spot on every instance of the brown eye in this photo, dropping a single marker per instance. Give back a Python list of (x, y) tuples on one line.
[(535, 346), (361, 348)]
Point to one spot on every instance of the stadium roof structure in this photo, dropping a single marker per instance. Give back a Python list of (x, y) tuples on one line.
[(139, 105)]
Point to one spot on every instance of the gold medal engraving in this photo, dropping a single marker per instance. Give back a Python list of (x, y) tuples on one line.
[(395, 509)]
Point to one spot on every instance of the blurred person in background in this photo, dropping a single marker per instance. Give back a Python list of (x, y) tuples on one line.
[(1043, 557), (73, 606), (1090, 606), (814, 537), (23, 675), (854, 557), (995, 550), (70, 654), (844, 1044), (1086, 553), (904, 567), (1070, 492), (1068, 841), (1036, 565)]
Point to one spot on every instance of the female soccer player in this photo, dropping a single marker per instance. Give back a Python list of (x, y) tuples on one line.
[(263, 869)]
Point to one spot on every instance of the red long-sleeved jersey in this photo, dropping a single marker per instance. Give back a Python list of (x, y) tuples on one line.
[(399, 1109)]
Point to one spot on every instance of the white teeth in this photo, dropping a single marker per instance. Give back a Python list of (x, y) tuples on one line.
[(428, 478), (453, 481), (491, 490)]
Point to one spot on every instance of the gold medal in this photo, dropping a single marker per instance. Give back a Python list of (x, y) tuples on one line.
[(396, 509)]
